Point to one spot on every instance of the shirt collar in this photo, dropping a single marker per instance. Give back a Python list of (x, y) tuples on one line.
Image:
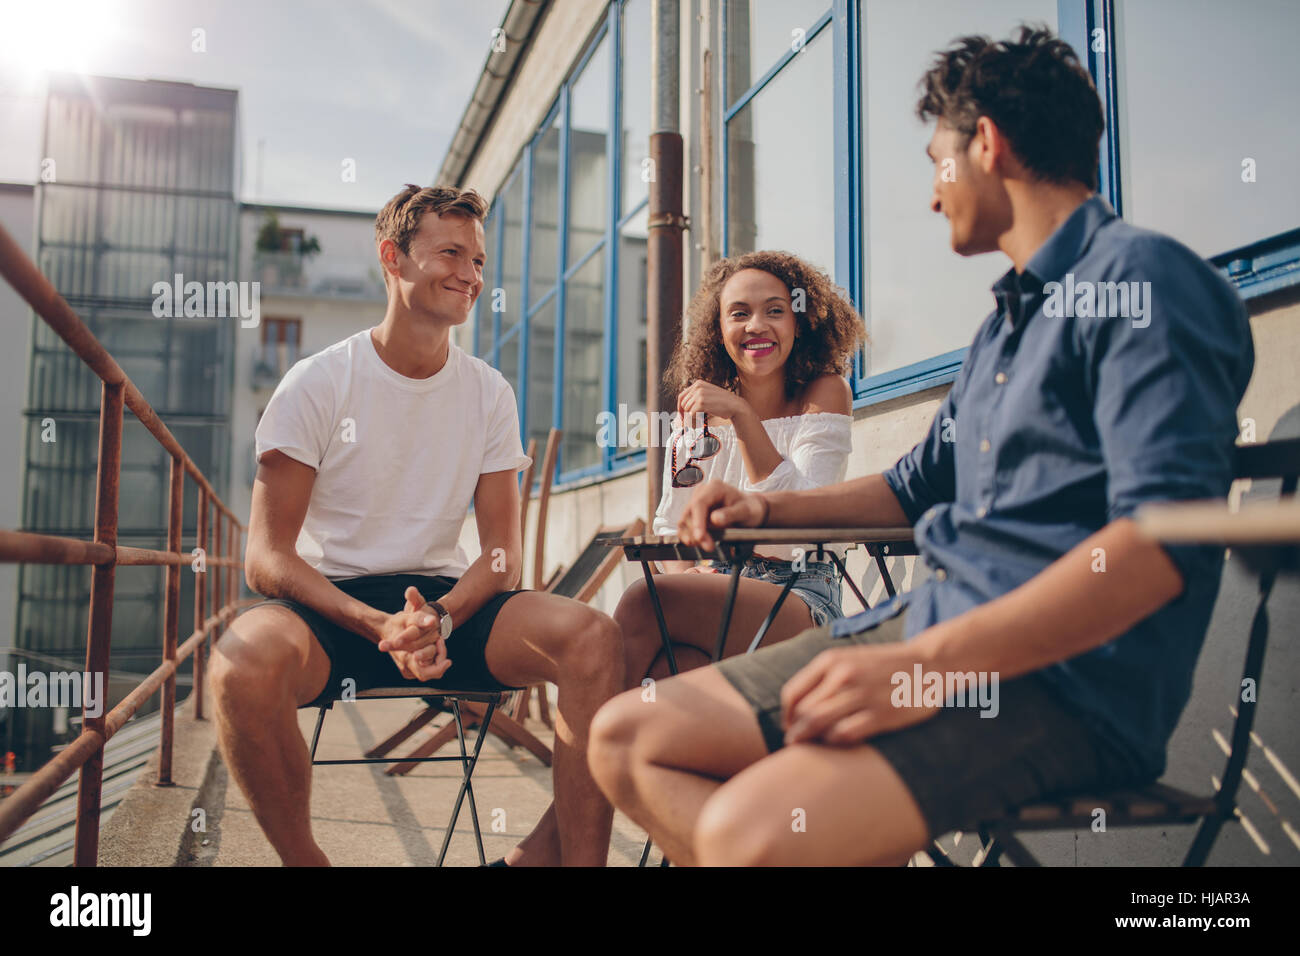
[(1063, 248)]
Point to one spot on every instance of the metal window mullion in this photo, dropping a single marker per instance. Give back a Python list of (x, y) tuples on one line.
[(562, 255), (614, 153), (525, 279)]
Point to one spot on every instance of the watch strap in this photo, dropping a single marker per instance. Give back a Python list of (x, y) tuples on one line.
[(443, 616)]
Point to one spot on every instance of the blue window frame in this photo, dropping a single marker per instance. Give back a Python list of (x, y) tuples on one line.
[(1090, 27), (544, 333)]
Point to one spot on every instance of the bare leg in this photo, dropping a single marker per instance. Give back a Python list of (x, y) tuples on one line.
[(693, 605), (265, 666), (661, 760), (543, 637), (812, 805)]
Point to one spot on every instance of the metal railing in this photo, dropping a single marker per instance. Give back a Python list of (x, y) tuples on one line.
[(221, 542)]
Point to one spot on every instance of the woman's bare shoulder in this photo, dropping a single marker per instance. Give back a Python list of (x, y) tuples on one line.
[(829, 393)]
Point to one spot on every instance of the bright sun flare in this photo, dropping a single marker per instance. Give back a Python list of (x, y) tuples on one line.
[(53, 35)]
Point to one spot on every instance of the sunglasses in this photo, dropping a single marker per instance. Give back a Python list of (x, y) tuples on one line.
[(691, 473)]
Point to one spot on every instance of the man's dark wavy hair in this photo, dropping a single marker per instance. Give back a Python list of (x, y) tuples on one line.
[(1034, 89)]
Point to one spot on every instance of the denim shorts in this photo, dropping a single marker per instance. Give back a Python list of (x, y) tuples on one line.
[(818, 585)]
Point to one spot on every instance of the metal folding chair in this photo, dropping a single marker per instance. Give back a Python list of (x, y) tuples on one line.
[(444, 700), (1159, 804)]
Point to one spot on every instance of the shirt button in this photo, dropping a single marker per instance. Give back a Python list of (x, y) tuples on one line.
[(940, 574), (1000, 378), (981, 511), (985, 445)]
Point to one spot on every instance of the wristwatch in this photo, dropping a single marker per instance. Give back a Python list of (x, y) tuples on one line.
[(444, 619)]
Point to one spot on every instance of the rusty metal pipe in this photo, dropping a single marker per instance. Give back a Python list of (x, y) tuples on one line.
[(665, 226), (200, 601), (100, 628), (171, 620), (23, 547)]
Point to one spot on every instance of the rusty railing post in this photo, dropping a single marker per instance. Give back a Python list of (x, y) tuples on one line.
[(232, 584), (99, 631), (218, 571), (200, 600), (171, 619)]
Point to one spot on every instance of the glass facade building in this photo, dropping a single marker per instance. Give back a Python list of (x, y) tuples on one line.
[(139, 186)]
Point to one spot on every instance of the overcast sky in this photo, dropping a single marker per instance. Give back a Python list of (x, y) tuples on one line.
[(383, 82)]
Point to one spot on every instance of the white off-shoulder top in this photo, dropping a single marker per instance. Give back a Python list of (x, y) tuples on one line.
[(814, 449)]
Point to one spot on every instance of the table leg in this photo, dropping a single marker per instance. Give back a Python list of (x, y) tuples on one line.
[(736, 567), (659, 616), (844, 573), (767, 622)]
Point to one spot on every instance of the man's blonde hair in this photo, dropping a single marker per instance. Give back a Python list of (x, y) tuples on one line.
[(400, 218)]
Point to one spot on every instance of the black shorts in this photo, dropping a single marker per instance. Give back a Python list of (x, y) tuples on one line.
[(961, 768), (359, 659)]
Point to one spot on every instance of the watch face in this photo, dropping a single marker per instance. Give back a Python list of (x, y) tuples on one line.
[(446, 626)]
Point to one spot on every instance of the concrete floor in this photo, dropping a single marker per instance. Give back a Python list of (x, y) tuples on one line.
[(360, 816)]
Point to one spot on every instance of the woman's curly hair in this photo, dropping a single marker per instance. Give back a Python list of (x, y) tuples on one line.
[(827, 330)]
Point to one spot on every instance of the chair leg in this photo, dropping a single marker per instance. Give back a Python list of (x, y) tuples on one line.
[(315, 737), (520, 712), (467, 766), (1016, 851), (544, 707), (1206, 834)]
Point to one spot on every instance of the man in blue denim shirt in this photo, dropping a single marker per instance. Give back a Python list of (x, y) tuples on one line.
[(1108, 376)]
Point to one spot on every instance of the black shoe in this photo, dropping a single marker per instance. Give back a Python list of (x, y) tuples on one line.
[(500, 862)]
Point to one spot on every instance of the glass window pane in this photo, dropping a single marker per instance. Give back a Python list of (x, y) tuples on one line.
[(780, 163), (1188, 132), (541, 374), (636, 102), (512, 251), (760, 32), (588, 160), (922, 299), (483, 308), (584, 340), (543, 261), (508, 360), (632, 312)]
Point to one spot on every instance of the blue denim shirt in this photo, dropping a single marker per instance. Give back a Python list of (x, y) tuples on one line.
[(1066, 416)]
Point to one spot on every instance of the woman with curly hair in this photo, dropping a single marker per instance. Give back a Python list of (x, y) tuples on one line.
[(760, 373)]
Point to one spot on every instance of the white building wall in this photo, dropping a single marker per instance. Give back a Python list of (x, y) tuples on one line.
[(347, 255)]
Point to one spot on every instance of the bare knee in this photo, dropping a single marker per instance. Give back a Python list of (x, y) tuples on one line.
[(256, 664), (611, 742), (732, 832), (592, 654)]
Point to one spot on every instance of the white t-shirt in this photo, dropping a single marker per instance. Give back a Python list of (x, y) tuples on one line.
[(814, 449), (397, 459)]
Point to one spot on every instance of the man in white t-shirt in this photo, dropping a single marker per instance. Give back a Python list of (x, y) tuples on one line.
[(369, 455)]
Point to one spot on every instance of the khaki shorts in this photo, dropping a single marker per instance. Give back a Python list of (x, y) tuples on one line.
[(962, 769)]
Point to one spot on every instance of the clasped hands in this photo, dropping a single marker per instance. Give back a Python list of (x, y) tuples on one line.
[(413, 639)]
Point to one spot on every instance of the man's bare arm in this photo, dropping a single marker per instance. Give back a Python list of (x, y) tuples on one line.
[(500, 562), (1063, 611), (272, 566), (866, 502)]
